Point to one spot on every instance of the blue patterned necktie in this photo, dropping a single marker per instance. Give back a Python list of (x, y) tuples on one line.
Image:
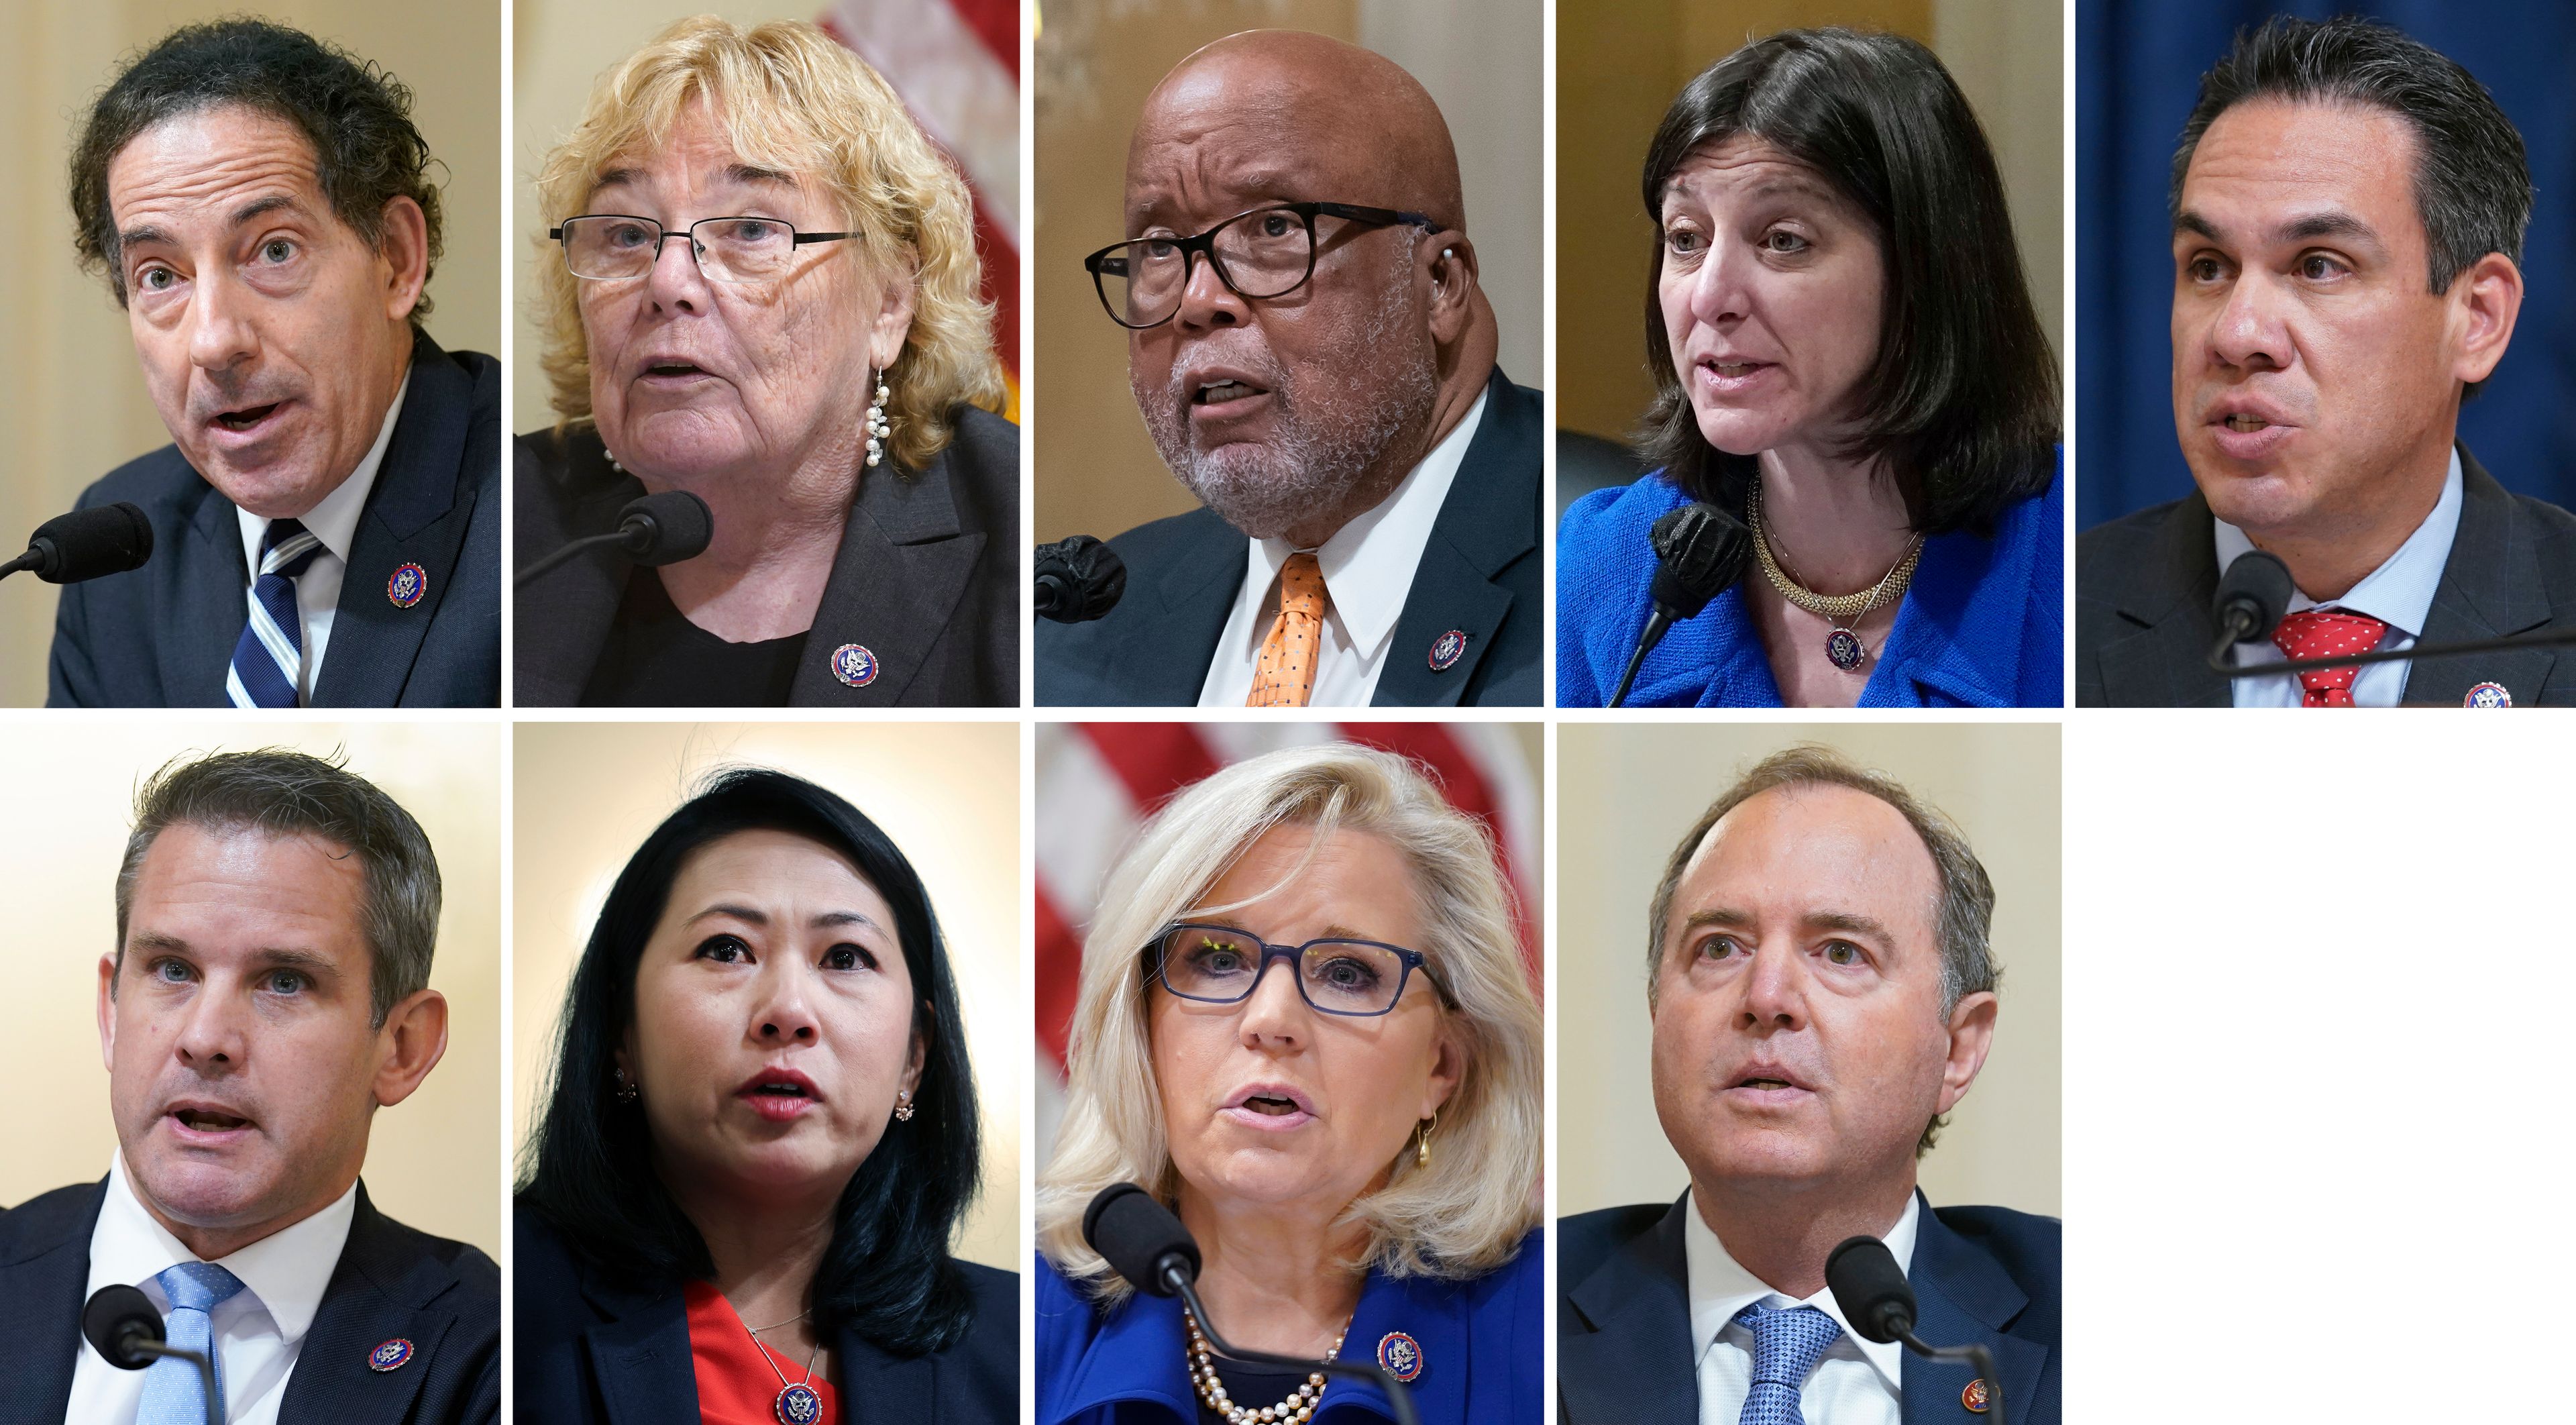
[(173, 1392), (1786, 1346), (268, 661)]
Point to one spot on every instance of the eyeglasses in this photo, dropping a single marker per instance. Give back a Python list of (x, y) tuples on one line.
[(610, 247), (1218, 964), (1266, 252)]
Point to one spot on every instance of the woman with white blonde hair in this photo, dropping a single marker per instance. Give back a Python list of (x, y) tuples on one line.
[(759, 286), (1305, 1025)]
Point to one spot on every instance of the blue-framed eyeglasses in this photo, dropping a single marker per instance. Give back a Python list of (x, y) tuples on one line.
[(1223, 964)]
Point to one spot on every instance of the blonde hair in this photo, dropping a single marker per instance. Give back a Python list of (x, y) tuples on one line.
[(1467, 1212), (791, 98)]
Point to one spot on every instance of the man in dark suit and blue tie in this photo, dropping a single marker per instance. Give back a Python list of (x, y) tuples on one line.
[(326, 525), (1822, 994)]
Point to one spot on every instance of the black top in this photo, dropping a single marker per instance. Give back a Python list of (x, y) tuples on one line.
[(1251, 1387), (656, 658)]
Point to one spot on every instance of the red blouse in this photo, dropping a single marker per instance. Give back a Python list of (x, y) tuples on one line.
[(736, 1385)]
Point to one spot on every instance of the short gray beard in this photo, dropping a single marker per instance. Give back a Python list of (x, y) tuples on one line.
[(1325, 454)]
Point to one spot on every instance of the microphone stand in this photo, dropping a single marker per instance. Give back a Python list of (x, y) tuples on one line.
[(1978, 1359), (1656, 628), (520, 580), (2545, 638), (1177, 1276)]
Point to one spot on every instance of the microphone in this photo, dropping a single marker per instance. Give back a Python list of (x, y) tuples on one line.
[(86, 544), (1878, 1301), (1699, 551), (122, 1327), (652, 529), (1078, 579), (2254, 595), (1143, 1242)]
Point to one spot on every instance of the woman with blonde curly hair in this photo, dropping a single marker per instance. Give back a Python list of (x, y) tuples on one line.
[(1304, 1025), (760, 287)]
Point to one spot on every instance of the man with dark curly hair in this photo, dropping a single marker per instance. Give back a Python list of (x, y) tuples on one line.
[(326, 526)]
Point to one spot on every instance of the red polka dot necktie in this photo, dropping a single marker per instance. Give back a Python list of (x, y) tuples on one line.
[(1285, 676), (2318, 633)]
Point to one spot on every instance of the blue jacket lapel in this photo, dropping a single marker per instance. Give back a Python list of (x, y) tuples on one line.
[(200, 603), (44, 1266), (1961, 1296), (1633, 1365)]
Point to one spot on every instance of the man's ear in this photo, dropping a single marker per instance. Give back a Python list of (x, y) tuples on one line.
[(2485, 300), (411, 1043), (1450, 260), (107, 1011), (402, 256)]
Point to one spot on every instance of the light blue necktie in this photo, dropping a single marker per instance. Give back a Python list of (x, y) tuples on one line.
[(268, 659), (173, 1392), (1786, 1346)]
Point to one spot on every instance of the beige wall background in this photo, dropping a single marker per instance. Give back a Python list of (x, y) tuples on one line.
[(433, 1161), (1627, 793), (1620, 62), (1096, 61), (70, 393), (587, 794)]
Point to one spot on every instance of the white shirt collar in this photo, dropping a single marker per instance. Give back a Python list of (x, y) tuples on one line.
[(286, 1271), (2399, 593), (1720, 1287), (335, 520)]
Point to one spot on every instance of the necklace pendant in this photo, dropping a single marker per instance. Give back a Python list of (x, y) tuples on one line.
[(1845, 649), (797, 1405)]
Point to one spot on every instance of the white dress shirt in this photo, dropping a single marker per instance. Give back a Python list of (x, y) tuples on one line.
[(2399, 593), (1856, 1383), (257, 1333), (1368, 569), (335, 523)]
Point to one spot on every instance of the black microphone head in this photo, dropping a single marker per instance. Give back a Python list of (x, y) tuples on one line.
[(88, 543), (116, 1315), (1134, 1234), (1872, 1292), (666, 528), (1078, 579), (2253, 595), (1700, 550)]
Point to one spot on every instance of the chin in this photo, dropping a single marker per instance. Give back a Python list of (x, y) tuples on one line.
[(202, 1193), (1736, 431)]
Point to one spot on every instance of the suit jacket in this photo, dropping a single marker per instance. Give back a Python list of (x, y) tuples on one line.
[(1982, 1275), (927, 576), (444, 1297), (2144, 583), (589, 1353), (163, 635), (1479, 576)]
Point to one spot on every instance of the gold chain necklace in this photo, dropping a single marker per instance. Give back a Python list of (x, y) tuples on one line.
[(1842, 644), (1300, 1406)]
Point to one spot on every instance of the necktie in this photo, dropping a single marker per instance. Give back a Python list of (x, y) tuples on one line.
[(173, 1392), (1786, 1346), (1285, 677), (268, 661), (2316, 633)]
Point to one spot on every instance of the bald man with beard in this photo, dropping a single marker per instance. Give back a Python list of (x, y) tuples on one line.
[(1310, 350)]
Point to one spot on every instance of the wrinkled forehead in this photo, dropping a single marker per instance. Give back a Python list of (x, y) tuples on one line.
[(2277, 152), (705, 145), (1806, 847)]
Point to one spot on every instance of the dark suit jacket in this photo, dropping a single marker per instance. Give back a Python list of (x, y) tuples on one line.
[(1479, 576), (1982, 1275), (444, 1297), (927, 577), (163, 635), (588, 1353), (2143, 586)]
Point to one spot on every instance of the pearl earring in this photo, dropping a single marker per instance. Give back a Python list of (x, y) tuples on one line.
[(902, 1097), (627, 1092), (878, 430)]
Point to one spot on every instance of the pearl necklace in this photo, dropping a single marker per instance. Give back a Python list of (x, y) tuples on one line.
[(1300, 1406)]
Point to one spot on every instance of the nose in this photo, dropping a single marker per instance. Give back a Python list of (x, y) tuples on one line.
[(786, 1010), (1276, 1016), (2248, 332), (675, 281), (210, 1039), (221, 334), (1775, 991), (1720, 293), (1205, 299)]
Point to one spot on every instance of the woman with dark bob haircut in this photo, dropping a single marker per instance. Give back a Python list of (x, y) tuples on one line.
[(737, 1201), (1847, 361)]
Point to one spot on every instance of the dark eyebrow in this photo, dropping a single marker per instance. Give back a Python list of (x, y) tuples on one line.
[(137, 237), (1843, 921), (751, 916), (2327, 225), (279, 958), (832, 918), (2188, 221), (259, 207)]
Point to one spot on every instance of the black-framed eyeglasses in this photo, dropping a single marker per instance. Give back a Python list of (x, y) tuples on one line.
[(1221, 964), (1260, 252), (611, 247)]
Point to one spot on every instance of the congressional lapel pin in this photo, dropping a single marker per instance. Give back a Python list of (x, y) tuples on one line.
[(1448, 649), (2487, 695), (853, 664), (1974, 1397), (408, 586), (1400, 1354), (391, 1356)]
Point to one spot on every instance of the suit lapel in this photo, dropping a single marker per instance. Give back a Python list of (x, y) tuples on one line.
[(202, 603), (2492, 585), (417, 514), (2164, 661), (377, 1293), (1186, 603), (641, 1360), (903, 566), (1960, 1297), (882, 1389), (1633, 1365), (1475, 538), (44, 1267)]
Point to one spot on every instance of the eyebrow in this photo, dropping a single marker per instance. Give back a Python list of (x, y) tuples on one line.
[(750, 915), (1847, 922), (267, 957), (2333, 223)]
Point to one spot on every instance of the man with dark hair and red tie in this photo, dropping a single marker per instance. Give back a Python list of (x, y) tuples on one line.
[(2348, 216)]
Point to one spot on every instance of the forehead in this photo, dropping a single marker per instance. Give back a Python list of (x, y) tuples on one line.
[(698, 151), (1355, 878), (775, 865), (1814, 847), (2271, 158), (219, 156), (1239, 130), (217, 885), (1741, 168)]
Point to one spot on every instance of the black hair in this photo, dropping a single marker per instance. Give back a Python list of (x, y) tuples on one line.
[(887, 1274), (2472, 180), (1961, 399), (357, 117)]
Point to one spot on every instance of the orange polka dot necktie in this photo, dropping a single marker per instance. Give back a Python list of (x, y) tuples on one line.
[(1285, 676), (2317, 633)]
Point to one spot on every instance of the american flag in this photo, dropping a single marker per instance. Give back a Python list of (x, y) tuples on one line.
[(1098, 782)]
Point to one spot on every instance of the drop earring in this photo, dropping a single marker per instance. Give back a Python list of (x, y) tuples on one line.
[(627, 1092), (903, 1105), (878, 430), (1422, 1141)]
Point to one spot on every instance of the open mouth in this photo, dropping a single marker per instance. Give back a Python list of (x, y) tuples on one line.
[(1273, 1107), (674, 370), (1762, 1083), (780, 1090), (247, 418), (2245, 423), (206, 1120)]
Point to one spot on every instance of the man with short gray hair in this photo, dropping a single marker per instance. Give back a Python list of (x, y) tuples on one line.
[(1822, 993), (268, 991)]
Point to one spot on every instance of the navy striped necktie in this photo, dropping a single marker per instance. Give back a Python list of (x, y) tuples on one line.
[(268, 661)]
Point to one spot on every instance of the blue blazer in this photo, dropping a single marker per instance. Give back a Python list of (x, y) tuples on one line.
[(1983, 625), (1987, 1275), (444, 1297), (585, 1352), (1481, 1351)]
